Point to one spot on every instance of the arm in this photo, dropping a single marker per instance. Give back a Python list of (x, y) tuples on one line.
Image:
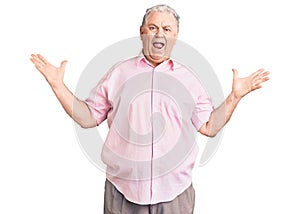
[(240, 87), (75, 108)]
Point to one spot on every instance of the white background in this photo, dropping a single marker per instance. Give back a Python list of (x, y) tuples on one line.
[(255, 170)]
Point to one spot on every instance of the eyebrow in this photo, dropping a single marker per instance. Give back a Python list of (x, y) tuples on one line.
[(170, 26)]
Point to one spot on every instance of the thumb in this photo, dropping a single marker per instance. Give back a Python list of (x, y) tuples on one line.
[(63, 64), (235, 74)]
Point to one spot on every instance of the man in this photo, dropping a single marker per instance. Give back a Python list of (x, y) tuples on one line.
[(142, 177)]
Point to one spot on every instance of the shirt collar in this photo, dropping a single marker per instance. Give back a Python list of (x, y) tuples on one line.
[(169, 64)]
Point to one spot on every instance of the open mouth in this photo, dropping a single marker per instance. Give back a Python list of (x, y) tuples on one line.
[(158, 45)]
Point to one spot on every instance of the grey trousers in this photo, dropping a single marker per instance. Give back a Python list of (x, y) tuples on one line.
[(116, 203)]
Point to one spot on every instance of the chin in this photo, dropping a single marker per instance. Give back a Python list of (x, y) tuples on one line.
[(159, 55), (157, 59)]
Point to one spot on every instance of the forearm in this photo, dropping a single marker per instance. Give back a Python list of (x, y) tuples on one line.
[(220, 116), (74, 107)]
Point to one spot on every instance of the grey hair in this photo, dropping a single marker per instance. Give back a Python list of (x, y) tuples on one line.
[(161, 8)]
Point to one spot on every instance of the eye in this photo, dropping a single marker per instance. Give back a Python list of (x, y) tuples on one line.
[(167, 29), (152, 28)]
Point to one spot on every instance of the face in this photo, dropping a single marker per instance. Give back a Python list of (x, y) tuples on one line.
[(158, 35)]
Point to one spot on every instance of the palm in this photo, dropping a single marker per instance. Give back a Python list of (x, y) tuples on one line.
[(243, 86)]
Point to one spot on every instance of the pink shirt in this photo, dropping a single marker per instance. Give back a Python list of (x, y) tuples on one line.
[(153, 114)]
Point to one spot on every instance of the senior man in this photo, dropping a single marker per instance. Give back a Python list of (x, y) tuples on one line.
[(142, 176)]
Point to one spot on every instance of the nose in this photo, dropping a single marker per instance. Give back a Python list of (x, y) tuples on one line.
[(159, 32)]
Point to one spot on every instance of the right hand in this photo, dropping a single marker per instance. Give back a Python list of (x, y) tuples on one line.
[(54, 75)]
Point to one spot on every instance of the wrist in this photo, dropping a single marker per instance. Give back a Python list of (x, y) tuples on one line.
[(235, 96), (56, 84)]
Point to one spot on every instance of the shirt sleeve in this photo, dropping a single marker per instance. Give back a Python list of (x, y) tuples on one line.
[(202, 110), (98, 101)]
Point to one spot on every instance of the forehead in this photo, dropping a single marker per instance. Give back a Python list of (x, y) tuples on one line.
[(161, 18)]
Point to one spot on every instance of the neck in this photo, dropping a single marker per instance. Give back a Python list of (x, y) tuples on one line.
[(155, 62)]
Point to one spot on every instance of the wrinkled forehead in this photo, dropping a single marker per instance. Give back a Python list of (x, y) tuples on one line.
[(161, 18)]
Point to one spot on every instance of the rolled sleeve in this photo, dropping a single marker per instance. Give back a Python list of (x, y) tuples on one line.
[(98, 101), (202, 111)]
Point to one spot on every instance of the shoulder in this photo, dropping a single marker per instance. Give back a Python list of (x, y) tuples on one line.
[(120, 66), (132, 62), (184, 69), (189, 77)]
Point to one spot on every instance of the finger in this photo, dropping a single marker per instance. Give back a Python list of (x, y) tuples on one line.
[(36, 63), (258, 83), (256, 73), (235, 74), (262, 80), (63, 64), (256, 87), (264, 74), (258, 77), (42, 58), (37, 59), (38, 67)]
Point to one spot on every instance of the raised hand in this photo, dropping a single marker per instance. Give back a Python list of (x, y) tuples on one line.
[(243, 86), (74, 107), (54, 75), (240, 87)]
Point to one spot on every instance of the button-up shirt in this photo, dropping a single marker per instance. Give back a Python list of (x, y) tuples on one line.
[(153, 114)]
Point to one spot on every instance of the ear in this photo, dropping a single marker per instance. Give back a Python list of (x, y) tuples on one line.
[(141, 31)]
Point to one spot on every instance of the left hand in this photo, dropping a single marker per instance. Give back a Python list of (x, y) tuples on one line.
[(243, 86)]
